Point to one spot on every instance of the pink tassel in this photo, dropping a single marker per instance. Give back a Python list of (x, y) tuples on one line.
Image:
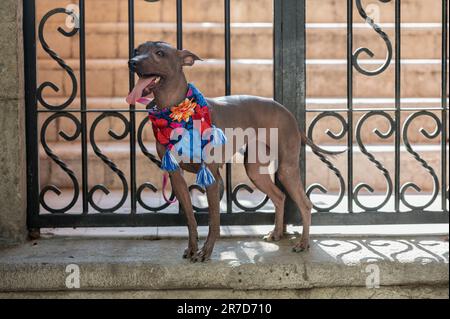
[(164, 184)]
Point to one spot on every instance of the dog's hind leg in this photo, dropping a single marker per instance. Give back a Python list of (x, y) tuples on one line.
[(265, 184), (290, 178)]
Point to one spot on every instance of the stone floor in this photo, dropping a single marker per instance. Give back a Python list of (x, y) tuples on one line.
[(408, 266)]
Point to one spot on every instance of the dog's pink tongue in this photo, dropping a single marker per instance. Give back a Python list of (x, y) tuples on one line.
[(136, 93)]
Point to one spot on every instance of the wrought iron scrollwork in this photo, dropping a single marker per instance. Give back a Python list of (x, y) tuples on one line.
[(61, 62), (59, 162), (108, 162), (383, 135), (422, 162), (336, 171), (367, 51), (203, 191), (148, 185), (247, 188)]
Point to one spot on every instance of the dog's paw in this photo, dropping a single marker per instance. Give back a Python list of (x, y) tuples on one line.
[(189, 252), (273, 236), (302, 245), (202, 255)]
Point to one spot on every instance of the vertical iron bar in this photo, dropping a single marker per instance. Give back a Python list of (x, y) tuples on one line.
[(350, 104), (179, 14), (227, 8), (290, 77), (444, 103), (84, 155), (29, 45), (179, 24), (397, 103), (132, 109)]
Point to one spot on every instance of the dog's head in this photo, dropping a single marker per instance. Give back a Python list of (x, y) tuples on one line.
[(156, 64)]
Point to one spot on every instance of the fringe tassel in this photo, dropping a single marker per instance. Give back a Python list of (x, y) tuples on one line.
[(204, 177), (169, 163), (218, 137)]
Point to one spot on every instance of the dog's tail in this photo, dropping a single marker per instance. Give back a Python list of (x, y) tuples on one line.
[(316, 149)]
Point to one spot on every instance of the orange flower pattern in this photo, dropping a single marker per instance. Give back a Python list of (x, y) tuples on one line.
[(183, 111)]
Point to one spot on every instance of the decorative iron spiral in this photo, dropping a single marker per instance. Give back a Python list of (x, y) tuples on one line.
[(148, 185), (203, 191), (108, 162), (367, 51), (60, 61), (422, 162), (247, 188), (243, 186), (371, 158), (59, 162), (336, 172)]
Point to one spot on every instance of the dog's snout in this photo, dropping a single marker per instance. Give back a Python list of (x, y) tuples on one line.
[(132, 64)]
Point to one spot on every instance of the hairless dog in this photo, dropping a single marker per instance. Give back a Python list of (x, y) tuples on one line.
[(160, 70)]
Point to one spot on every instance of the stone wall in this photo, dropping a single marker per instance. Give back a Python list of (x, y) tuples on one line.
[(12, 125)]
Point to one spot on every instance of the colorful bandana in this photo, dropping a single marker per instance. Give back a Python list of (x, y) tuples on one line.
[(181, 128)]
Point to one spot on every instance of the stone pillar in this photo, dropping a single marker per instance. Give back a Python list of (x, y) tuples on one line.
[(12, 125)]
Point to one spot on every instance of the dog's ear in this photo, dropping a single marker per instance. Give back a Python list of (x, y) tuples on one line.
[(187, 57)]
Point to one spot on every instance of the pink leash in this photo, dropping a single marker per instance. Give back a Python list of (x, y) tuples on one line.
[(164, 184)]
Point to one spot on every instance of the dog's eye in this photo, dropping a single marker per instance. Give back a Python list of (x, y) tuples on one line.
[(159, 53)]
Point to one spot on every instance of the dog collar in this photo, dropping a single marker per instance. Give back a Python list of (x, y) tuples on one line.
[(183, 128)]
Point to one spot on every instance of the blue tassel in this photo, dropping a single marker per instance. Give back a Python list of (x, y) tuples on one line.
[(169, 163), (204, 176), (217, 137)]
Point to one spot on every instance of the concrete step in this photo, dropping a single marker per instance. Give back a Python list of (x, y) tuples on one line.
[(329, 40), (312, 104), (109, 78), (110, 40), (119, 153), (248, 40), (240, 267), (411, 11), (165, 11), (243, 10)]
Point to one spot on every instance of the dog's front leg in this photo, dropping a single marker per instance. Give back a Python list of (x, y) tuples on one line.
[(212, 194), (181, 191)]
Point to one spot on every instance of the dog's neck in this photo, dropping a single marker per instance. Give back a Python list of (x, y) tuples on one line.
[(172, 93)]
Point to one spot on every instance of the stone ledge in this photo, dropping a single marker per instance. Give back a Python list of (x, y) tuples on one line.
[(393, 292), (237, 264)]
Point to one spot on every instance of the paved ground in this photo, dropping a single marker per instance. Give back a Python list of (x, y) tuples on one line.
[(438, 230), (333, 266)]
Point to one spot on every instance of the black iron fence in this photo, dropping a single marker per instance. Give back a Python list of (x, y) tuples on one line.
[(289, 54)]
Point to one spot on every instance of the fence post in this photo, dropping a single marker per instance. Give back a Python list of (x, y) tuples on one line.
[(290, 73)]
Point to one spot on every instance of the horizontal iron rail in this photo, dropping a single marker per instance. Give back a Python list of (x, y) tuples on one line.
[(405, 109), (238, 218)]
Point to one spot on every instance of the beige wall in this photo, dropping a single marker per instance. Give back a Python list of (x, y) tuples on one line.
[(12, 125)]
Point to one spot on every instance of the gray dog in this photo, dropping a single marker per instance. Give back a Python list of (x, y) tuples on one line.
[(161, 65)]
